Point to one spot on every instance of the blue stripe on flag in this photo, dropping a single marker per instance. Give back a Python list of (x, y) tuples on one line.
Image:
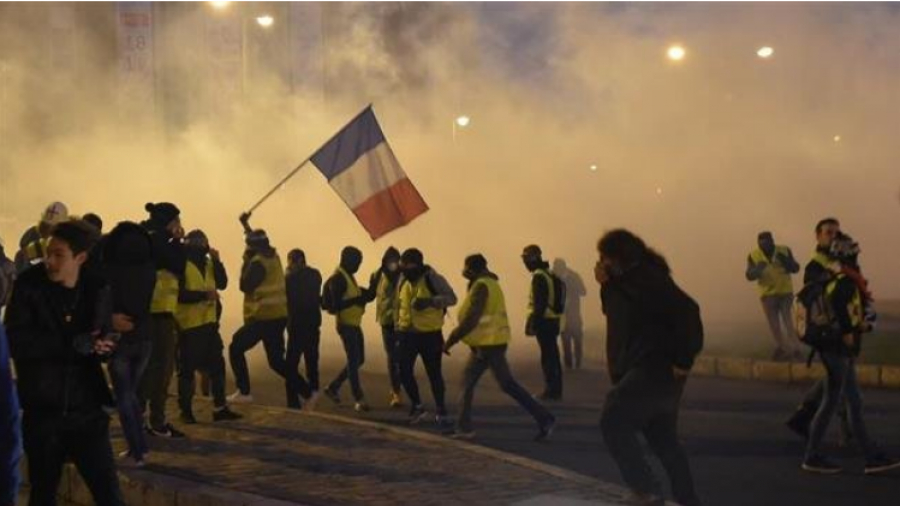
[(355, 140)]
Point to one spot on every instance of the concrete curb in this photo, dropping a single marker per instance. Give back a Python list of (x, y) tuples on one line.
[(878, 376)]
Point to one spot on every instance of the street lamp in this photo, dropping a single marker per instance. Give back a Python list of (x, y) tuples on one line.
[(765, 52), (461, 122), (265, 21), (676, 53), (219, 5)]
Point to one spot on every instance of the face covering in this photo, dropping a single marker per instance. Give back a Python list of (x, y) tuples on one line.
[(413, 273)]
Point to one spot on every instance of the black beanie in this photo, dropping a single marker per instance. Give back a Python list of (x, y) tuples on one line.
[(391, 253), (412, 256), (162, 213), (476, 262)]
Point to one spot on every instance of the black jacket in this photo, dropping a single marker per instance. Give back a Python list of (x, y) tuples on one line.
[(168, 253), (304, 288), (130, 270), (58, 375), (645, 313)]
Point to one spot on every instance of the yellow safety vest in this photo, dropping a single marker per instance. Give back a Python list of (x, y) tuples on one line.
[(197, 314), (385, 297), (269, 300), (493, 327), (410, 319), (775, 279), (854, 308), (549, 313), (351, 316), (165, 293), (37, 250)]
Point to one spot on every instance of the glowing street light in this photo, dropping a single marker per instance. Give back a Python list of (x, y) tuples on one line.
[(219, 5), (765, 52), (593, 168), (463, 121), (265, 21), (837, 138), (676, 53)]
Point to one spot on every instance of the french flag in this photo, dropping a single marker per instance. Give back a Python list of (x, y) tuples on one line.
[(362, 169)]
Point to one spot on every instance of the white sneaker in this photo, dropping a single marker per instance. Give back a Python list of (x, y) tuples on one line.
[(238, 398)]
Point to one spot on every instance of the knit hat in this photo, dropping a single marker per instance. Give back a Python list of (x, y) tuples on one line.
[(257, 239), (162, 213), (412, 256), (476, 262)]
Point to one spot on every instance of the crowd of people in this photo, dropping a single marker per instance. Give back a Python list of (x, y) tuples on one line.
[(139, 305)]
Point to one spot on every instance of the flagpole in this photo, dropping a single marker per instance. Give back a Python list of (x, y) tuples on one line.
[(300, 166)]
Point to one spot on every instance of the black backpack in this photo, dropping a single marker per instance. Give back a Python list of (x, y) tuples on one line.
[(559, 294), (328, 302)]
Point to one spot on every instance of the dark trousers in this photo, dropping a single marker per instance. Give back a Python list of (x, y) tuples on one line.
[(158, 375), (51, 440), (840, 381), (548, 341), (430, 346), (392, 351), (126, 368), (355, 348), (646, 401), (200, 349), (303, 343), (494, 358), (271, 333)]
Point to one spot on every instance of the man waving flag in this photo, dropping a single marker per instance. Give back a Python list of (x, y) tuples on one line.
[(362, 169)]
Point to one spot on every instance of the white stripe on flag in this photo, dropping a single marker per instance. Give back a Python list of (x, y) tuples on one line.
[(374, 172)]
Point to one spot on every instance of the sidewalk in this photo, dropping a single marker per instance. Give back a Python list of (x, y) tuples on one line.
[(281, 457)]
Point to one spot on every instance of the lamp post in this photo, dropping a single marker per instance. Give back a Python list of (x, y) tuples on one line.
[(460, 122)]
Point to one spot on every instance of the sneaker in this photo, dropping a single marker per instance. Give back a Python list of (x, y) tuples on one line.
[(361, 407), (187, 418), (166, 431), (333, 396), (462, 434), (226, 415), (443, 421), (396, 400), (417, 414), (239, 397), (546, 430), (821, 465), (880, 464)]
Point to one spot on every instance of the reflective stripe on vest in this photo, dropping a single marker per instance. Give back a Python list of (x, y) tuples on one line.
[(551, 296), (269, 300), (493, 327), (165, 293), (775, 279), (410, 319), (197, 314), (854, 307), (385, 295), (351, 316)]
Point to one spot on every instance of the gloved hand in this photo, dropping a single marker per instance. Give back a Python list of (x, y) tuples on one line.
[(423, 304)]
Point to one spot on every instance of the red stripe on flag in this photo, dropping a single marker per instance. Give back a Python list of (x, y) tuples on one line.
[(391, 208)]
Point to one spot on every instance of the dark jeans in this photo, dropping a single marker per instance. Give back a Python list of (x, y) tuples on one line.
[(271, 333), (355, 348), (494, 358), (158, 375), (430, 346), (392, 351), (51, 440), (550, 362), (840, 380), (647, 400), (304, 343), (126, 368), (200, 349)]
